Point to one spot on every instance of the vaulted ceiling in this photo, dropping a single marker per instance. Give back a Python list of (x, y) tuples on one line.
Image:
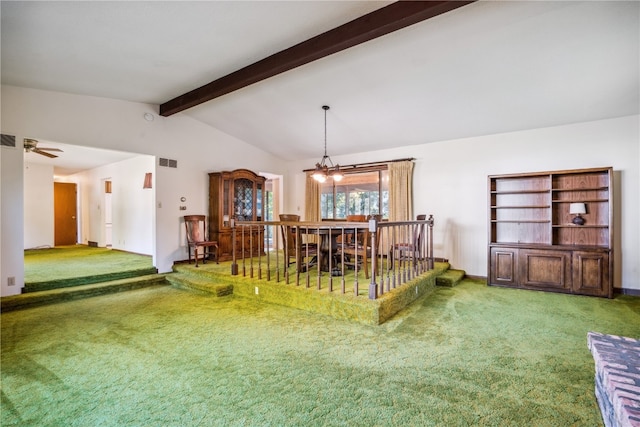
[(484, 68)]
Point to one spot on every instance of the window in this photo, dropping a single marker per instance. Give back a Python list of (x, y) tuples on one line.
[(363, 193)]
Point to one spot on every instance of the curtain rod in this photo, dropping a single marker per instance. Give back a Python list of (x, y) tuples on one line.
[(358, 165)]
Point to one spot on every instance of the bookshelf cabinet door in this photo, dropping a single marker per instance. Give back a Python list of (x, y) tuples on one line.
[(504, 266), (591, 273), (545, 269)]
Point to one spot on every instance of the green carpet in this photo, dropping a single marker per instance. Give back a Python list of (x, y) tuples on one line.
[(66, 266), (160, 356)]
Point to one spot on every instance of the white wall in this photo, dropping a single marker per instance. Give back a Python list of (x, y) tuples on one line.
[(11, 211), (450, 182), (119, 125), (38, 206), (132, 206)]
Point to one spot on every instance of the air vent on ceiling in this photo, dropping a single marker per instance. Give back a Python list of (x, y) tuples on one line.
[(170, 163), (7, 140)]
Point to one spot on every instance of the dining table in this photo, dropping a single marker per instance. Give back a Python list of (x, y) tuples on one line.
[(328, 245)]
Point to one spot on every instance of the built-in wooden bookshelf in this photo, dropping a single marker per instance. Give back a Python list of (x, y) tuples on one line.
[(533, 242)]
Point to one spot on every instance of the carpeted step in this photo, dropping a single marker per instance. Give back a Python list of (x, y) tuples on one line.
[(450, 278), (195, 282), (34, 299), (86, 280), (208, 270)]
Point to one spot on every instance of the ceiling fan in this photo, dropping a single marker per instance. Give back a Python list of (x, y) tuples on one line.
[(31, 146)]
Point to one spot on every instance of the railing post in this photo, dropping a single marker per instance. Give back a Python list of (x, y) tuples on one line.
[(431, 242), (244, 262), (250, 251), (373, 287), (234, 264), (268, 246)]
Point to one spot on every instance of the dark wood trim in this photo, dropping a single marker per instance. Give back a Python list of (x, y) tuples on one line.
[(365, 167), (368, 27)]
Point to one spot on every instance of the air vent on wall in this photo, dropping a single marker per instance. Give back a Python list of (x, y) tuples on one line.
[(170, 163), (7, 140)]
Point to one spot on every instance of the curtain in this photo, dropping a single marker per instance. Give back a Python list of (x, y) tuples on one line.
[(312, 199), (312, 205), (400, 191)]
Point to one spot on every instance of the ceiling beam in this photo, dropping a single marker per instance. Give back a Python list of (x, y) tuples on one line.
[(383, 21)]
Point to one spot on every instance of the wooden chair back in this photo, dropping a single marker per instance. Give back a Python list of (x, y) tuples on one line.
[(196, 228), (289, 236), (197, 239), (410, 250), (418, 232), (357, 251)]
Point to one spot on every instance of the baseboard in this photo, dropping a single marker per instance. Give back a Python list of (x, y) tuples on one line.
[(130, 252), (479, 278), (624, 291)]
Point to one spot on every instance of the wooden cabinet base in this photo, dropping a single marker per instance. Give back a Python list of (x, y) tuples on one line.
[(581, 271)]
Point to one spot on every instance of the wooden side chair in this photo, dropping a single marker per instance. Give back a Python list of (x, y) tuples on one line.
[(358, 250), (349, 236), (197, 238), (410, 251), (292, 242)]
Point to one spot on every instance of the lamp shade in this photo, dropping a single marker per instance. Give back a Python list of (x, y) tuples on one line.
[(577, 208)]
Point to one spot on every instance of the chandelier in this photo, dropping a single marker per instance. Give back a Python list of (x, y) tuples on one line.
[(324, 170)]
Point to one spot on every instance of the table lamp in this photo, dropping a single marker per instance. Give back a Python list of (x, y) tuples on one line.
[(577, 209)]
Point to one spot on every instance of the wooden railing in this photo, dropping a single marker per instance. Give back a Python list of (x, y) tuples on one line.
[(397, 252)]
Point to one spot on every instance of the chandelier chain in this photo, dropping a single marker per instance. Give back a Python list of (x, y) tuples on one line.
[(322, 170)]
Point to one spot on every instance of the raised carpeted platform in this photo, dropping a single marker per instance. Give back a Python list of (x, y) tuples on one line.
[(329, 299), (197, 283), (52, 296), (76, 265), (86, 280)]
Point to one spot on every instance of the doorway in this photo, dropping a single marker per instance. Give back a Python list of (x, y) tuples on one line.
[(272, 209), (65, 213), (107, 214)]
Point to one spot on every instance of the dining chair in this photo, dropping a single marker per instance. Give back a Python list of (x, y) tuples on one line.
[(356, 251), (197, 238), (292, 241), (411, 250), (351, 218)]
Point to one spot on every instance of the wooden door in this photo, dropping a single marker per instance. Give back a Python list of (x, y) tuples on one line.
[(65, 211)]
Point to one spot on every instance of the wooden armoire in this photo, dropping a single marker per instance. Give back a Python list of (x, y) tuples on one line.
[(235, 195)]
